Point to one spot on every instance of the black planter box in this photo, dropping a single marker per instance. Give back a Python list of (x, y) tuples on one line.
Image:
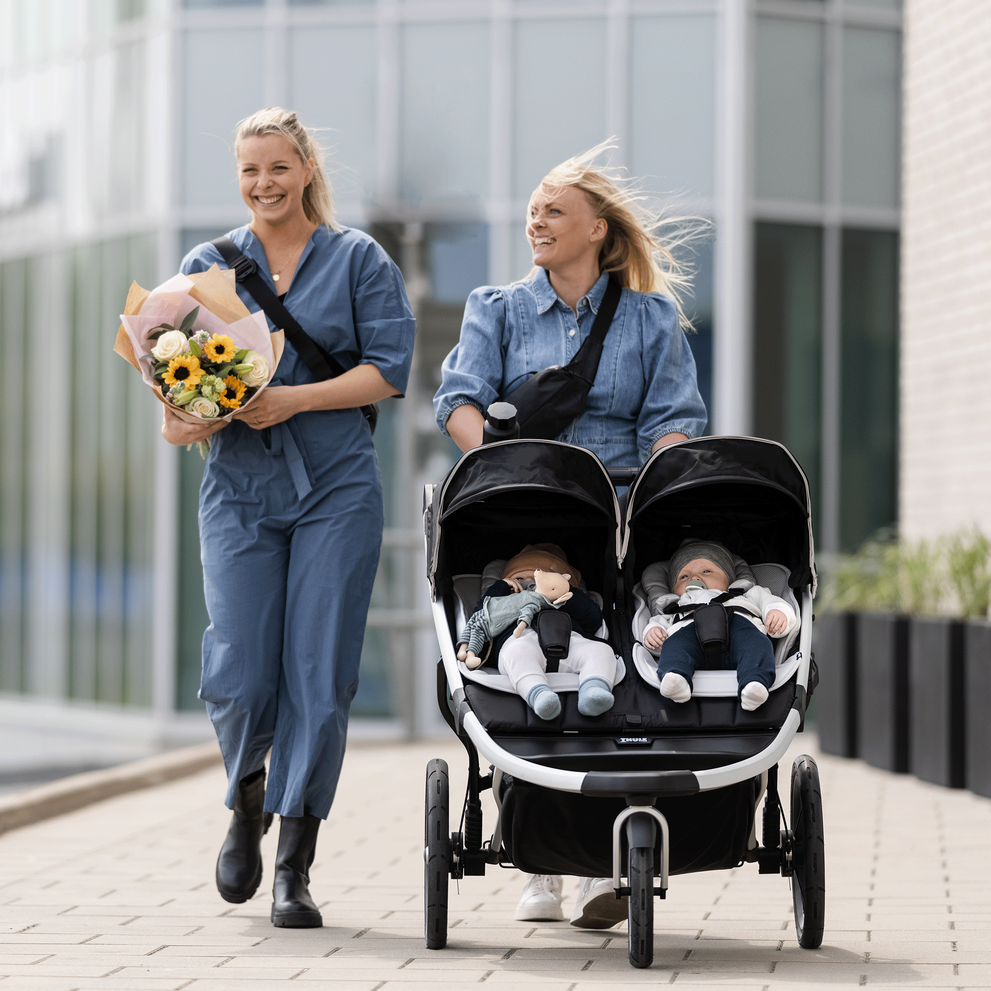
[(937, 721), (882, 692), (977, 692), (834, 704)]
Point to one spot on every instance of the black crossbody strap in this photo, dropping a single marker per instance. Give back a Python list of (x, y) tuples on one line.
[(672, 607), (322, 364), (586, 362)]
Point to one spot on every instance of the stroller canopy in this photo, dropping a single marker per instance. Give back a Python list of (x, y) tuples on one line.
[(744, 492), (502, 496)]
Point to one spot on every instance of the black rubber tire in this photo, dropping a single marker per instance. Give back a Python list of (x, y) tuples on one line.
[(641, 906), (808, 883), (436, 856)]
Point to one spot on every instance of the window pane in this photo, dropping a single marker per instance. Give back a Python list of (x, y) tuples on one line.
[(559, 102), (788, 81), (672, 102), (888, 4), (871, 117), (223, 83), (869, 390), (458, 258), (197, 4), (788, 342), (445, 107), (332, 86)]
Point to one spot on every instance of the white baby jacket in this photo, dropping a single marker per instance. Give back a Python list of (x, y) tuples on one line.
[(757, 601)]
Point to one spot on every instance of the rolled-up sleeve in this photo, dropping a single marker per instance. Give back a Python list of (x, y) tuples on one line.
[(383, 319), (472, 373), (672, 403)]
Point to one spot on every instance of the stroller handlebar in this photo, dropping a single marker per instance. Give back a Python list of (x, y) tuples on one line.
[(622, 476)]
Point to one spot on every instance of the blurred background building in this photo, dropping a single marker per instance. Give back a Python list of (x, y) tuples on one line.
[(778, 120)]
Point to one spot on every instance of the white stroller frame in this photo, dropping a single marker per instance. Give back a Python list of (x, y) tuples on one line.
[(639, 788)]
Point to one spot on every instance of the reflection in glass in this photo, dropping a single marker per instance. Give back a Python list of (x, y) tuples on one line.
[(332, 87), (788, 342), (559, 104), (871, 117), (445, 112), (869, 416), (222, 83), (788, 72), (672, 102)]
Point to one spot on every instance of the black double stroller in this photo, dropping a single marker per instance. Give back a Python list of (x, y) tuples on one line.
[(650, 788)]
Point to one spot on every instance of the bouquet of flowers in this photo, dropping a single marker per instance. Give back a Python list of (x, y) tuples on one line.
[(195, 343)]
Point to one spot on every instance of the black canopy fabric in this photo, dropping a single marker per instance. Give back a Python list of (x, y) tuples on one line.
[(747, 493), (501, 496)]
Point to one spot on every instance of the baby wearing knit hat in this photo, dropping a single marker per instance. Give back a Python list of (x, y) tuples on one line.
[(698, 572)]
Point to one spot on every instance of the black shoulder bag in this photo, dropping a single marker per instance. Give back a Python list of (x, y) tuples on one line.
[(320, 362), (549, 400)]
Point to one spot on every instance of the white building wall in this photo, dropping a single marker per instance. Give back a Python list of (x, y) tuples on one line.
[(946, 268)]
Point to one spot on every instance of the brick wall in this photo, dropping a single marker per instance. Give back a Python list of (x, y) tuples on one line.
[(946, 268)]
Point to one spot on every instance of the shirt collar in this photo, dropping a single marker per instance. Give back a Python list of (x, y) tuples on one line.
[(546, 297)]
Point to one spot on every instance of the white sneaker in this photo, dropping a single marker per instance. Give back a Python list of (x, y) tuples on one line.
[(597, 906), (541, 899)]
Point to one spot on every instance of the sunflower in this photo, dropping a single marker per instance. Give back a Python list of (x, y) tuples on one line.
[(231, 396), (219, 349), (184, 370)]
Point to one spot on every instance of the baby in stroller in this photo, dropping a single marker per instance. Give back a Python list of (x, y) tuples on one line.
[(702, 575), (521, 658)]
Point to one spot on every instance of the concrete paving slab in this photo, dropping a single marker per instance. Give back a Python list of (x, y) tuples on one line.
[(120, 895)]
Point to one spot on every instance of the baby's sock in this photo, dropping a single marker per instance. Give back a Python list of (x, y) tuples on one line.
[(675, 687), (753, 695), (594, 697), (544, 701)]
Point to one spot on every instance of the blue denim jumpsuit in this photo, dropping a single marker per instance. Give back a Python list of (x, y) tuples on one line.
[(290, 531), (645, 386)]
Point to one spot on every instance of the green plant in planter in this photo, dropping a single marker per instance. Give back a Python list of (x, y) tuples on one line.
[(969, 565), (945, 576)]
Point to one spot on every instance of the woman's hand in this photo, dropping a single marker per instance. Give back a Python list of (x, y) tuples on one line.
[(274, 405), (655, 637), (180, 433), (776, 622)]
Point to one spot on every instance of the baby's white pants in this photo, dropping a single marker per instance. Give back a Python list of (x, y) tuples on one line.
[(523, 662)]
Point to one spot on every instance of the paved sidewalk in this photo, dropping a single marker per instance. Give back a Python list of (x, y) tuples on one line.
[(120, 895)]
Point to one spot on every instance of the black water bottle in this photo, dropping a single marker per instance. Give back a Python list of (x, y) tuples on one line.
[(500, 423)]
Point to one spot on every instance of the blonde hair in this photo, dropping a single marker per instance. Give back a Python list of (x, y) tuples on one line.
[(632, 251), (318, 202)]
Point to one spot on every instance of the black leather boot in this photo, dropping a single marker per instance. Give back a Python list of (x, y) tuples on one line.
[(239, 866), (293, 908)]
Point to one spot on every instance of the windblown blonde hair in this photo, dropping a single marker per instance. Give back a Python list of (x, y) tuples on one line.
[(318, 201), (633, 250)]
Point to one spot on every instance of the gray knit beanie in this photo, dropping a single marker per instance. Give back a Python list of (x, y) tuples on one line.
[(692, 550)]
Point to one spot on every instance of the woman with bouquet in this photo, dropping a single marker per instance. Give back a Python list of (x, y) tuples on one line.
[(290, 513)]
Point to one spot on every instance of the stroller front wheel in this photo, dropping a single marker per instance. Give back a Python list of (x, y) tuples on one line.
[(641, 906), (436, 855), (808, 883)]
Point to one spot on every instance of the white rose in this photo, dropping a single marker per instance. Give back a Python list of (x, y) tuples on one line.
[(205, 408), (170, 344), (259, 370)]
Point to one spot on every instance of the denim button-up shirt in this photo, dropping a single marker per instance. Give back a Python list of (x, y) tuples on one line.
[(645, 386)]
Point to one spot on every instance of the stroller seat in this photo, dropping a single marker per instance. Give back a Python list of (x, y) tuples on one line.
[(468, 590), (713, 684)]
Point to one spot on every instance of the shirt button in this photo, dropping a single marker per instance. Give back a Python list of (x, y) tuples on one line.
[(571, 333)]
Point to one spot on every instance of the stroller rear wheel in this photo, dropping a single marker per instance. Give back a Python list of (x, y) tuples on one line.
[(436, 855), (808, 883), (641, 906)]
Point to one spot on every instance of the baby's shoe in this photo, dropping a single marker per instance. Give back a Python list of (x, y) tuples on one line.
[(544, 702), (675, 687), (753, 695), (594, 697)]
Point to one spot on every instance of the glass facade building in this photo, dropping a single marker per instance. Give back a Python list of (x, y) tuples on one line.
[(777, 120)]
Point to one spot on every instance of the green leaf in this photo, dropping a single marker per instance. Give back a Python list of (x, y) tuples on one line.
[(187, 324), (161, 367), (195, 349), (224, 370), (240, 355)]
